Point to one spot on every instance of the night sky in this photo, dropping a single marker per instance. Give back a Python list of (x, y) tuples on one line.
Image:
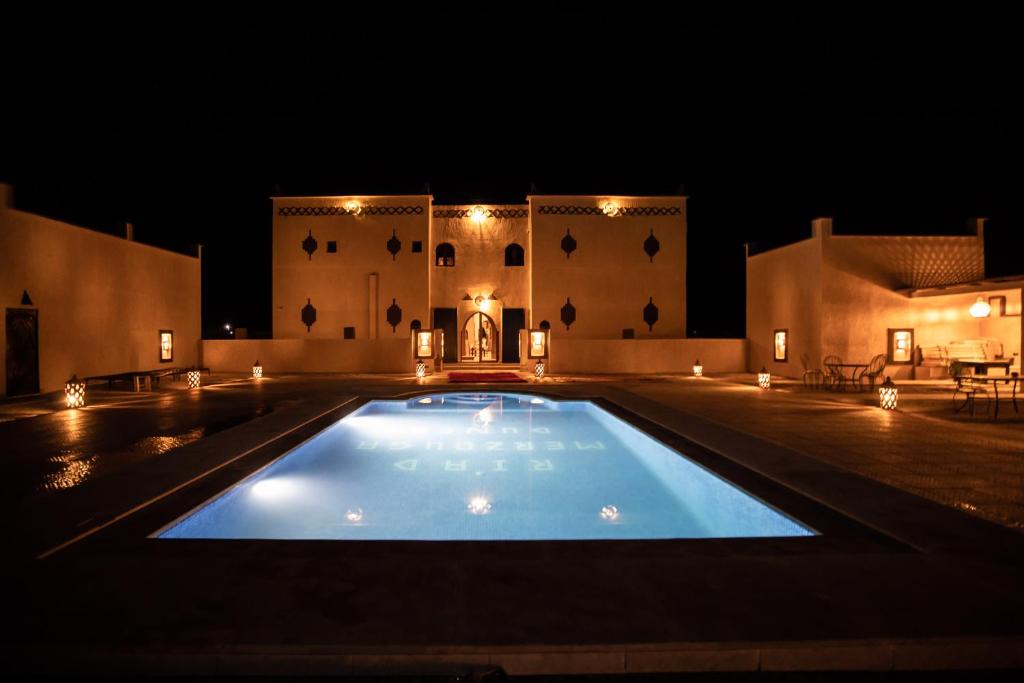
[(893, 120)]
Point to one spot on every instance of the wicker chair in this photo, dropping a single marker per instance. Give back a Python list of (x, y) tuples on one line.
[(813, 377), (873, 371), (966, 392), (834, 378)]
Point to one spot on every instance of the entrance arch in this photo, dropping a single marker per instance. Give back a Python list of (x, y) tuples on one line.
[(479, 339)]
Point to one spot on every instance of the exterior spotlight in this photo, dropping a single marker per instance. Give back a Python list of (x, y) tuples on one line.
[(479, 301), (887, 395), (74, 392), (609, 513), (192, 377), (611, 209), (257, 370), (538, 369), (478, 214), (353, 207), (479, 505), (421, 369), (227, 326), (764, 378), (698, 369), (980, 308), (354, 515)]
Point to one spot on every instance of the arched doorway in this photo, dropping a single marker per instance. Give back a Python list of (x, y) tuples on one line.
[(479, 339)]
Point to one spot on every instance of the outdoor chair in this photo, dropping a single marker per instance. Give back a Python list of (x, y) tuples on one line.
[(813, 377), (966, 392), (874, 370), (834, 378)]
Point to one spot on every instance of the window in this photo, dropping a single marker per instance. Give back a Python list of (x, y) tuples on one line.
[(415, 325), (545, 325), (780, 345), (514, 255), (332, 247), (628, 333), (166, 346), (444, 255), (417, 246), (901, 346), (349, 333)]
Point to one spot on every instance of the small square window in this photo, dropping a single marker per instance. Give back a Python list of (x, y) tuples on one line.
[(417, 246), (166, 346), (780, 344), (332, 247), (350, 333), (628, 333)]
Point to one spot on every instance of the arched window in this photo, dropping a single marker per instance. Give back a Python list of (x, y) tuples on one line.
[(415, 325), (444, 255), (545, 325), (514, 255)]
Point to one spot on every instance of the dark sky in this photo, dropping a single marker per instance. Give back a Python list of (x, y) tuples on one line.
[(892, 119)]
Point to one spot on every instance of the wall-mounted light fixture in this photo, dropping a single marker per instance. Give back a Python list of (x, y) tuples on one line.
[(538, 347), (166, 346), (424, 344), (611, 209), (354, 207), (980, 308), (478, 214), (74, 392)]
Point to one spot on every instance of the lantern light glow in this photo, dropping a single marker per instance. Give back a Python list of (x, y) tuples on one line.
[(257, 370), (980, 308), (888, 394), (764, 378), (698, 369), (74, 392)]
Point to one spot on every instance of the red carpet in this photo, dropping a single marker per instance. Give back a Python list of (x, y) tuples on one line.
[(496, 377)]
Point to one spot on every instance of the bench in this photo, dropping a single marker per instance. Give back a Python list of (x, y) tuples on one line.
[(142, 379)]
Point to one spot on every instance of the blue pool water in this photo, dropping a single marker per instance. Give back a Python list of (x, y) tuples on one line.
[(483, 466)]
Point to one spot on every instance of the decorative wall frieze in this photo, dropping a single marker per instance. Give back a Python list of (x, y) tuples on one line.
[(363, 210), (568, 210), (491, 213)]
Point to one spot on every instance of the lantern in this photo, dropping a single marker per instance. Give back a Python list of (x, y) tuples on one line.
[(698, 369), (764, 378), (611, 209), (74, 392), (192, 377), (421, 369), (887, 395), (257, 370), (478, 214), (980, 308), (538, 369)]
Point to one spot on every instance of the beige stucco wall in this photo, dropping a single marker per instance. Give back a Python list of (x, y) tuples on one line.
[(784, 291), (101, 299), (646, 355), (480, 260), (340, 286), (608, 278), (310, 355)]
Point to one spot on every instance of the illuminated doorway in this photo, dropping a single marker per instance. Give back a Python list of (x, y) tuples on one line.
[(479, 339)]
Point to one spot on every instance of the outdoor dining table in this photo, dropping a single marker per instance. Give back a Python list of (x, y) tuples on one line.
[(995, 381), (854, 374)]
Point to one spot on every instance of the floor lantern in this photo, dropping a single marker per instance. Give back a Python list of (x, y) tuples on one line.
[(698, 369), (192, 377), (257, 370), (74, 392), (421, 369), (764, 378), (888, 393), (538, 369)]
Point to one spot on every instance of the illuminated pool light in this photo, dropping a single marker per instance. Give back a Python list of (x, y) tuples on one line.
[(426, 401), (354, 515), (610, 513), (273, 490), (479, 505)]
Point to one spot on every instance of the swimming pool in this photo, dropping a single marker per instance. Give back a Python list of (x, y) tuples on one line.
[(482, 467)]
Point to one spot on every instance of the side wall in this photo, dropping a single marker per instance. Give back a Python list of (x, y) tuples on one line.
[(608, 278), (309, 355), (647, 355), (784, 291), (101, 300), (355, 286)]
